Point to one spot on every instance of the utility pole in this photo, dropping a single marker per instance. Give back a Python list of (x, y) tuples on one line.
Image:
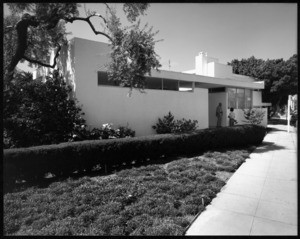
[(288, 113)]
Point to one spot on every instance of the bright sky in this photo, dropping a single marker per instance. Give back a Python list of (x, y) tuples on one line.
[(224, 30)]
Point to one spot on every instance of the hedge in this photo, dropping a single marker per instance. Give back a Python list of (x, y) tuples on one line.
[(65, 158)]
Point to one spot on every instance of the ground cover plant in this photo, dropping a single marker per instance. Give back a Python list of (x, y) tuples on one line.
[(156, 199)]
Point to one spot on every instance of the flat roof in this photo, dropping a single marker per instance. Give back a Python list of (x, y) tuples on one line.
[(207, 81)]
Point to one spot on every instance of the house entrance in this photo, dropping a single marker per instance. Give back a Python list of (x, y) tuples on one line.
[(216, 96)]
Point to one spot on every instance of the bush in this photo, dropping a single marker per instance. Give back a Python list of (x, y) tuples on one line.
[(34, 162), (108, 132), (169, 125), (37, 113), (254, 116)]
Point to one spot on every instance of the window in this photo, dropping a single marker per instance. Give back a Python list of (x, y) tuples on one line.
[(239, 98), (103, 79), (232, 98), (240, 93), (153, 83), (186, 86), (216, 90), (170, 84), (248, 98)]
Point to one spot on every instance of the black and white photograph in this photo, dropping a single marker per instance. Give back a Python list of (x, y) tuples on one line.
[(150, 119)]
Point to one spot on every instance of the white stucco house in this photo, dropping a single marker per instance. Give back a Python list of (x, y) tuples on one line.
[(193, 94)]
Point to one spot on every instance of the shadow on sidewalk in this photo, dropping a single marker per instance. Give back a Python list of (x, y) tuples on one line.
[(271, 129), (268, 146)]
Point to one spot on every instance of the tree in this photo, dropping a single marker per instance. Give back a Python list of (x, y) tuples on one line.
[(280, 77), (38, 27), (37, 112)]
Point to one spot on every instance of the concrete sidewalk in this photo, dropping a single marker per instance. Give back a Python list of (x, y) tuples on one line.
[(261, 196)]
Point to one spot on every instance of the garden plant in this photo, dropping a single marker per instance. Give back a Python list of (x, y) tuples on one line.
[(157, 199)]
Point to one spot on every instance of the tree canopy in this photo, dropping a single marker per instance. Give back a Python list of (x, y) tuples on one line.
[(33, 29), (280, 77)]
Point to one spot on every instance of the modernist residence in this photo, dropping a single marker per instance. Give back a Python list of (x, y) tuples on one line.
[(193, 94)]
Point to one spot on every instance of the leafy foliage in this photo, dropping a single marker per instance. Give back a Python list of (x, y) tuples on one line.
[(108, 132), (156, 199), (254, 116), (65, 158), (133, 55), (280, 77), (169, 125), (37, 112), (40, 27), (49, 30)]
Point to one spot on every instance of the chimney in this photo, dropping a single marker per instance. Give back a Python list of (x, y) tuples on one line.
[(201, 63)]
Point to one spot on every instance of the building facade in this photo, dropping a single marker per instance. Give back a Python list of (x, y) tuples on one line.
[(191, 95)]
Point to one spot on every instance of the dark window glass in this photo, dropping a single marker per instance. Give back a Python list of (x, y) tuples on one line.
[(248, 98), (170, 84), (215, 90), (186, 86), (240, 98), (103, 79), (153, 83), (232, 98)]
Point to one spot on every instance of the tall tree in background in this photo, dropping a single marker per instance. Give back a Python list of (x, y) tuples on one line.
[(33, 29), (280, 77)]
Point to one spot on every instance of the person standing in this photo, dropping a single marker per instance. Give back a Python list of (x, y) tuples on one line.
[(231, 117), (219, 114)]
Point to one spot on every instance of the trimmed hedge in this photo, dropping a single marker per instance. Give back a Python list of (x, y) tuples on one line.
[(65, 158)]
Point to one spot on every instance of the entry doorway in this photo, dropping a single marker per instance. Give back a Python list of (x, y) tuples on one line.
[(216, 96)]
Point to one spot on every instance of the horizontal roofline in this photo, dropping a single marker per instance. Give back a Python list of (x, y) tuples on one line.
[(209, 81)]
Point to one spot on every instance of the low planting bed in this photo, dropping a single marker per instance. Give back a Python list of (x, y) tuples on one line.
[(158, 199), (63, 159)]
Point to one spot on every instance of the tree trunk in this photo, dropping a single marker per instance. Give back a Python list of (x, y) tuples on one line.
[(21, 27)]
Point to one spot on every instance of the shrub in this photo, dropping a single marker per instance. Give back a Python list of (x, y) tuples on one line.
[(169, 125), (165, 125), (108, 132), (254, 116), (34, 162), (37, 113)]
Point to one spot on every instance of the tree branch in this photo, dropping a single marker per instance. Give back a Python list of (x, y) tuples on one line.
[(87, 19), (108, 7), (44, 64)]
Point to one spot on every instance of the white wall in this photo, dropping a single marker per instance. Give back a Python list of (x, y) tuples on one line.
[(257, 99), (214, 100), (108, 104), (222, 70)]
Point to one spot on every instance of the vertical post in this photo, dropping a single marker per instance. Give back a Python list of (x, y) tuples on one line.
[(288, 113)]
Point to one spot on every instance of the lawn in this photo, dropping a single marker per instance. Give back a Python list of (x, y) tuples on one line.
[(157, 199)]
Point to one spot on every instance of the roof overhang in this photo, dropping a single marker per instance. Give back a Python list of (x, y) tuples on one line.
[(207, 81)]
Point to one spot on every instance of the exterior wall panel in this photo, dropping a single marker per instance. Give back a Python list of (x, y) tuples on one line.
[(141, 111)]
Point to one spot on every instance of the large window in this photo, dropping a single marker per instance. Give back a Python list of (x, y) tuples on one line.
[(170, 84), (232, 98), (152, 83), (186, 86), (239, 98), (240, 93), (248, 98)]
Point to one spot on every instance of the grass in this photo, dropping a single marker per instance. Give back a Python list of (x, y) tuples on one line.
[(159, 199)]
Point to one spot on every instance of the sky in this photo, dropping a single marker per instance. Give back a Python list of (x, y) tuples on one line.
[(225, 31)]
